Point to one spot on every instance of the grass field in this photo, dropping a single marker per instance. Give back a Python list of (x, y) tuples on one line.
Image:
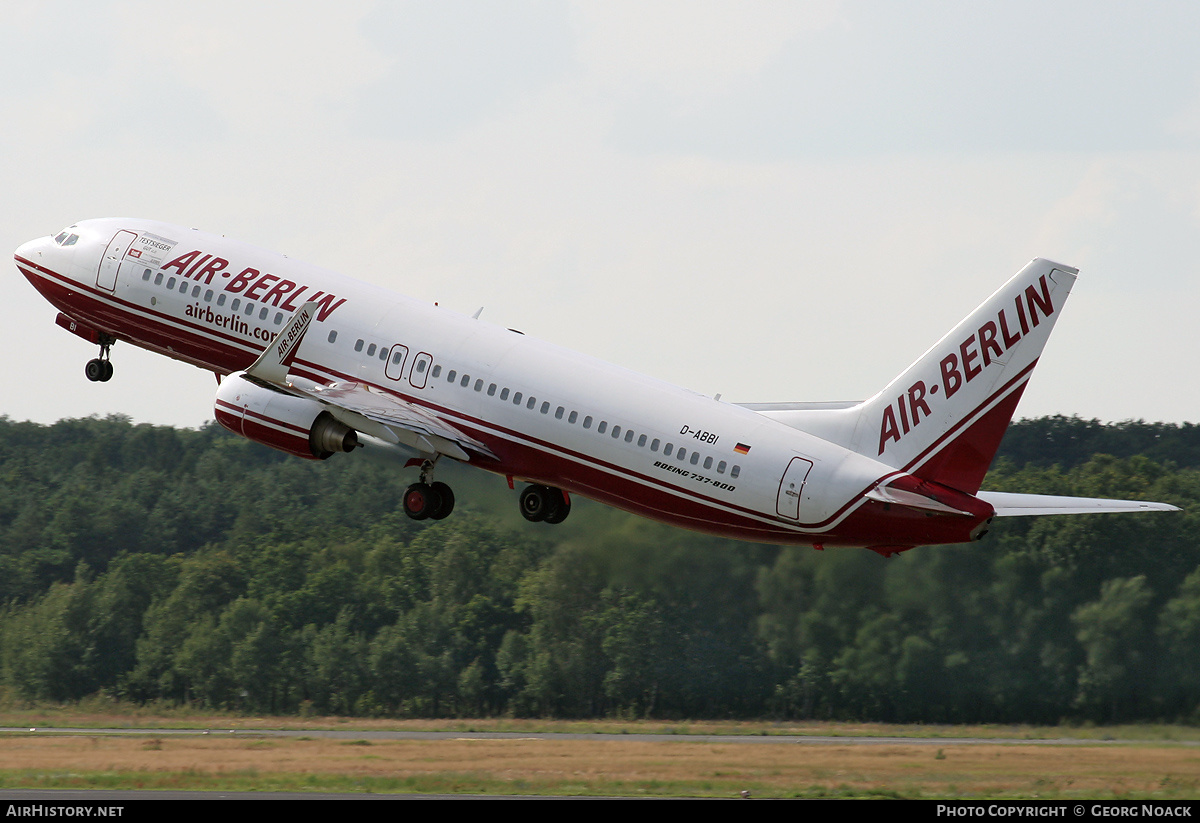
[(1158, 764)]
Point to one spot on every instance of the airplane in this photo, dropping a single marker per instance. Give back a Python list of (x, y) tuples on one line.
[(314, 363)]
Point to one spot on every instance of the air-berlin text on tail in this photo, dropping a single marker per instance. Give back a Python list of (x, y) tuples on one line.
[(972, 356), (252, 284)]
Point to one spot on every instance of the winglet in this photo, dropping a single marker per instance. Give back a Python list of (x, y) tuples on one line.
[(272, 365)]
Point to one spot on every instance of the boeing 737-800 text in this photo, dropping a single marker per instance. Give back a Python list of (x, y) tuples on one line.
[(315, 363)]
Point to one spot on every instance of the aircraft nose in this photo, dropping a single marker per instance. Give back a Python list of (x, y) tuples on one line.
[(32, 250)]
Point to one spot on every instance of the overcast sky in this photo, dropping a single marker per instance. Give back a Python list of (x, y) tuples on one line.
[(770, 200)]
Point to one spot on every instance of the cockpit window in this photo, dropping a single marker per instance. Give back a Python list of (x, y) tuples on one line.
[(66, 237)]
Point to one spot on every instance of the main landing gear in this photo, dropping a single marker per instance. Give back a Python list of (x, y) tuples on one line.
[(545, 504), (428, 500), (100, 369)]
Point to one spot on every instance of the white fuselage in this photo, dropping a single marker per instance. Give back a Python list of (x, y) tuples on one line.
[(579, 424)]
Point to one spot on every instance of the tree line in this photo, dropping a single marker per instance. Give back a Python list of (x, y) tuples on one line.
[(191, 566)]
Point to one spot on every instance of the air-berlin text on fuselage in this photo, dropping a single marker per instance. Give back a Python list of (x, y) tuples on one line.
[(252, 283), (984, 347)]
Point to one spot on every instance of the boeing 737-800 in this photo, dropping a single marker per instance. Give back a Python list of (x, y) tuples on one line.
[(315, 363)]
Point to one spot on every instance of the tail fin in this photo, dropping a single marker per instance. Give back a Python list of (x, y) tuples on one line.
[(943, 417)]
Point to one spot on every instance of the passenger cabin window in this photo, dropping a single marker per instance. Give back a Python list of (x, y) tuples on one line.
[(437, 371), (531, 402), (158, 279), (332, 335), (358, 345), (146, 274)]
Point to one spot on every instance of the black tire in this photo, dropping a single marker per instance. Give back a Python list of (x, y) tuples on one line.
[(420, 501), (445, 500), (94, 370), (560, 509), (106, 371), (533, 504)]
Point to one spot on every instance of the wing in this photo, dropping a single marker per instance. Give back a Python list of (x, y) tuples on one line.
[(366, 410)]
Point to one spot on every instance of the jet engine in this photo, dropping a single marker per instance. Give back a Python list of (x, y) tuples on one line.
[(267, 415)]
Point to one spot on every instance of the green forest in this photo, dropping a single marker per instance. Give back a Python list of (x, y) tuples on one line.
[(165, 565)]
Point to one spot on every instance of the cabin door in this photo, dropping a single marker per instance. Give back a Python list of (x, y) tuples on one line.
[(106, 274), (791, 487)]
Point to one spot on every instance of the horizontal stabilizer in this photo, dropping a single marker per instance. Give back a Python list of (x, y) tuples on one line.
[(1021, 505)]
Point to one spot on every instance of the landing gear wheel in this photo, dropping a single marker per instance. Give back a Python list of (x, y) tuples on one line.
[(420, 501), (533, 504), (561, 508), (445, 500), (98, 371), (432, 501), (544, 504)]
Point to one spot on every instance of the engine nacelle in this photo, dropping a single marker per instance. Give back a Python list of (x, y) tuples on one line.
[(296, 425)]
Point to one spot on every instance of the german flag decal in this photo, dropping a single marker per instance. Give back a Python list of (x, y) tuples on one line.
[(741, 448)]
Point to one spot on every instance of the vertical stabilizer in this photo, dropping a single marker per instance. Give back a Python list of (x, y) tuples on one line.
[(942, 419)]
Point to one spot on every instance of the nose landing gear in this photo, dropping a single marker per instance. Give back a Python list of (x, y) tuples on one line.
[(100, 369)]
